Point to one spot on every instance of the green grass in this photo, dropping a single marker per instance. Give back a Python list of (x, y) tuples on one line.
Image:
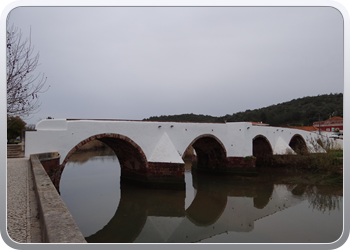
[(336, 153)]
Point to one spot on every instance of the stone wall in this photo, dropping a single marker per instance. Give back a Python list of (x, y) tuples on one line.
[(57, 224)]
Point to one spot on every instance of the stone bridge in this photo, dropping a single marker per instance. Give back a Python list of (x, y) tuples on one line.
[(152, 153)]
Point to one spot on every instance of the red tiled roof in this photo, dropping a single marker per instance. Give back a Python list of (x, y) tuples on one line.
[(335, 118), (307, 128)]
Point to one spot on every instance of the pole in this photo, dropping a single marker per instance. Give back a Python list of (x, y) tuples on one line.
[(319, 124)]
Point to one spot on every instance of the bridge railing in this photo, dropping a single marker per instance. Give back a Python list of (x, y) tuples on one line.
[(57, 224)]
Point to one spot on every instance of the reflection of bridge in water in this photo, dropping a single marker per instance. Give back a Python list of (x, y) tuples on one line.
[(241, 220), (160, 215)]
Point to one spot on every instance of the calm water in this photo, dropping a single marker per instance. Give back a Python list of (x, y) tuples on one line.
[(212, 209)]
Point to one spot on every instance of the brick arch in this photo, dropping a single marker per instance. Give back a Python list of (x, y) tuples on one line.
[(262, 150), (211, 152), (133, 161), (108, 139), (298, 144)]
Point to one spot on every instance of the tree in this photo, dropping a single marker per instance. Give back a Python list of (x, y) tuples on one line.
[(23, 86), (263, 117), (15, 128), (30, 127)]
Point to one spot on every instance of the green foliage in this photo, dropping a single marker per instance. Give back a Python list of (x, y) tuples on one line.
[(15, 125), (184, 117), (249, 158), (319, 162), (338, 153), (302, 111)]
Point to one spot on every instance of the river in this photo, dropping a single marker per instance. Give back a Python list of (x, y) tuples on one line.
[(212, 209)]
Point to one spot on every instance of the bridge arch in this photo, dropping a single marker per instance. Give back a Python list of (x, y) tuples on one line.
[(262, 150), (298, 144), (133, 161), (210, 151)]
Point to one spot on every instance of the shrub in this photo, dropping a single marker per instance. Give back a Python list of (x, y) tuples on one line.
[(249, 158)]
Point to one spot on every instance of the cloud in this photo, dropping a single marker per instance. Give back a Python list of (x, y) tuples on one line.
[(134, 62)]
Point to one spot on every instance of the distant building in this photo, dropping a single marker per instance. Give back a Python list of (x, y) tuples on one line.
[(332, 124), (259, 124)]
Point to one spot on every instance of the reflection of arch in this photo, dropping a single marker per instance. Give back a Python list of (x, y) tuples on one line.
[(211, 152), (133, 161), (262, 150), (135, 205), (263, 195), (126, 224), (210, 200), (206, 208), (298, 144)]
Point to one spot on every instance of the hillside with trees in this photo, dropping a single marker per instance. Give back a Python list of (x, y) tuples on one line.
[(297, 112)]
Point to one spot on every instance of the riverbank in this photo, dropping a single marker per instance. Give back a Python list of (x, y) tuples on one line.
[(308, 169), (324, 178)]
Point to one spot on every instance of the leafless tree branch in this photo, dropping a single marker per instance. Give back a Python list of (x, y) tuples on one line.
[(23, 87)]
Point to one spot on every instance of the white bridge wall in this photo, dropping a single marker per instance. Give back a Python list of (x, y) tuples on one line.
[(62, 135)]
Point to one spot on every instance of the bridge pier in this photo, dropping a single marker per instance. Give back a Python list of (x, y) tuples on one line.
[(229, 165), (157, 175), (241, 165)]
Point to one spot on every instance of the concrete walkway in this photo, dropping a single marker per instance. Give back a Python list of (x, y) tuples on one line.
[(23, 224)]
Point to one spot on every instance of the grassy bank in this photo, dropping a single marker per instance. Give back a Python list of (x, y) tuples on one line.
[(321, 178), (330, 161), (312, 169)]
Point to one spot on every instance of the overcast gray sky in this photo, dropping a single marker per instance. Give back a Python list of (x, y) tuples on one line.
[(136, 62)]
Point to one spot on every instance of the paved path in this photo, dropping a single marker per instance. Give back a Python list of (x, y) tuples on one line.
[(23, 225)]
